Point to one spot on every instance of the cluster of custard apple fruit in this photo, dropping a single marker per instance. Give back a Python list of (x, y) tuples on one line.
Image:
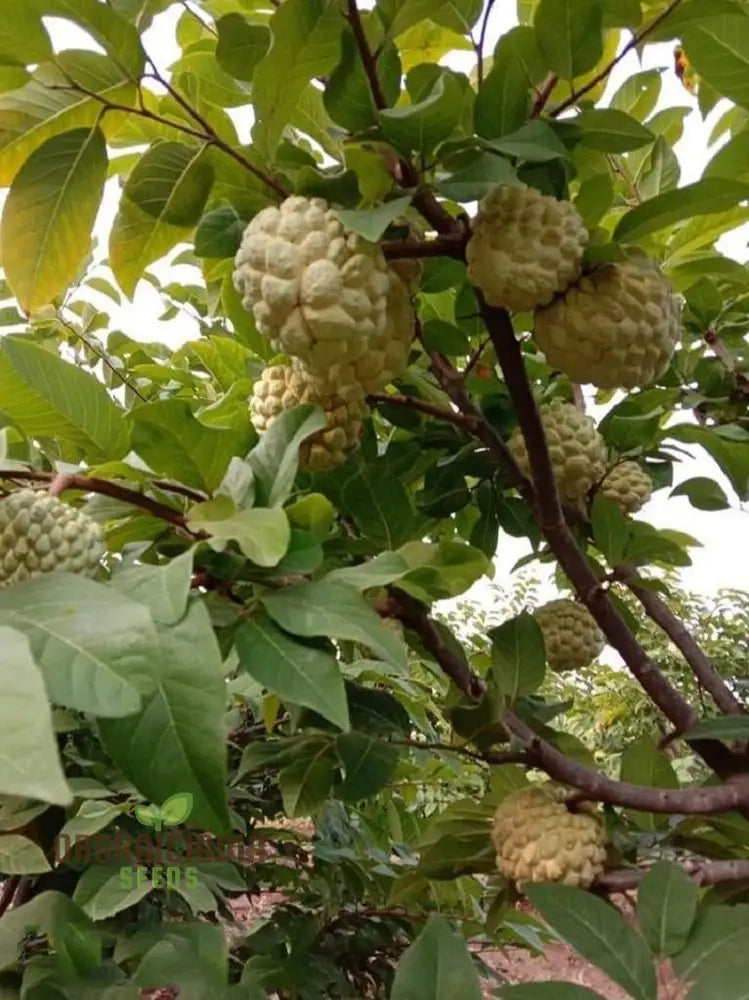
[(327, 299), (40, 534), (539, 839)]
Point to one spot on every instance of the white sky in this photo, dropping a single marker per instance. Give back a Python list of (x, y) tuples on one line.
[(719, 563)]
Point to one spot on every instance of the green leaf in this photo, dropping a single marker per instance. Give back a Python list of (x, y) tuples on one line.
[(381, 507), (241, 45), (732, 159), (570, 35), (263, 534), (167, 436), (46, 397), (171, 183), (148, 816), (368, 764), (534, 142), (610, 529), (371, 223), (219, 233), (734, 727), (105, 889), (383, 569), (275, 458), (518, 656), (70, 933), (176, 743), (441, 569), (712, 194), (731, 456), (703, 493), (162, 589), (89, 641), (718, 49), (424, 124), (335, 610), (305, 783), (549, 990), (437, 966), (305, 43), (21, 856), (638, 95), (642, 763), (458, 15), (298, 672), (28, 748), (22, 21), (666, 907), (477, 179), (49, 215), (504, 99), (714, 959), (597, 932), (113, 32), (91, 817), (176, 808), (347, 97), (136, 240), (611, 131)]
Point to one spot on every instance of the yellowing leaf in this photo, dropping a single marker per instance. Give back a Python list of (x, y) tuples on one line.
[(49, 215), (427, 42)]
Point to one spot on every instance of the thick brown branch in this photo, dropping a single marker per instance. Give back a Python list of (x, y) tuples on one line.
[(733, 794), (413, 614), (703, 872), (634, 41), (573, 561), (90, 484), (443, 246), (702, 666)]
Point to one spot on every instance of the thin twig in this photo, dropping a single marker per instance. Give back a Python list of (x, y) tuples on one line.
[(7, 892), (702, 666), (480, 757), (465, 423), (102, 355), (479, 48), (91, 484), (634, 41), (543, 93), (475, 357)]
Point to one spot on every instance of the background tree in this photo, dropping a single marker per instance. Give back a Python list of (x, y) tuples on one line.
[(259, 637)]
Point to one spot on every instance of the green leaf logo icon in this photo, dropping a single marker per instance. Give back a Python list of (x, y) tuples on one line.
[(148, 816), (176, 809)]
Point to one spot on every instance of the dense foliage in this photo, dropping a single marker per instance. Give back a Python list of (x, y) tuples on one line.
[(378, 391)]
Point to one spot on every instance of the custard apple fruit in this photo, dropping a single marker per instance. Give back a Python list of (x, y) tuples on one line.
[(538, 839), (616, 328), (577, 450), (628, 485), (40, 534), (385, 357), (282, 387), (525, 247), (571, 637), (317, 291)]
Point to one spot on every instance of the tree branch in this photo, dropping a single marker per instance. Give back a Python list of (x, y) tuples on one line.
[(733, 794), (460, 420), (479, 48), (702, 667), (634, 41), (413, 615), (480, 757), (573, 561), (7, 892), (703, 871), (543, 93), (451, 245), (90, 484)]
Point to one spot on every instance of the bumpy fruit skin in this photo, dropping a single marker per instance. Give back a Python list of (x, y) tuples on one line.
[(40, 534), (616, 328), (571, 636), (628, 486), (282, 387), (539, 840), (386, 354), (525, 248), (316, 290), (577, 450)]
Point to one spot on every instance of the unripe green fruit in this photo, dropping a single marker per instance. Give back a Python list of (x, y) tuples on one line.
[(525, 247), (282, 387), (577, 450), (40, 534), (317, 291), (628, 486), (572, 638), (616, 328), (538, 839)]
